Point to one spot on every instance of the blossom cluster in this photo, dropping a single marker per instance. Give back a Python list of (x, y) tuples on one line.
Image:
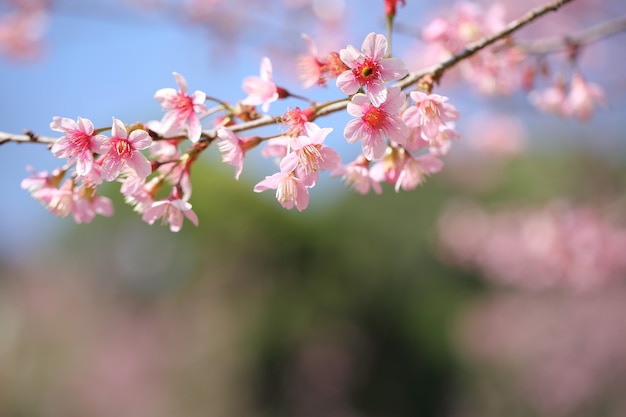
[(401, 142), (510, 66), (402, 136)]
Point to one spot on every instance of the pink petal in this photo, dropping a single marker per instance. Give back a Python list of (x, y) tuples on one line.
[(350, 56), (182, 83), (140, 164), (374, 46), (118, 130), (347, 82), (140, 139)]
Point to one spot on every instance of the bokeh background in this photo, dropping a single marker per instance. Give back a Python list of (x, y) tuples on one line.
[(496, 288)]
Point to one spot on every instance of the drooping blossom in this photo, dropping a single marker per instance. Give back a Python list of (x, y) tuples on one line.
[(583, 97), (415, 170), (87, 203), (357, 174), (308, 155), (429, 113), (290, 190), (261, 90), (311, 66), (370, 68), (313, 69), (78, 200), (183, 111), (375, 123), (41, 180), (276, 147), (79, 142), (233, 148), (552, 99), (124, 152), (171, 210), (137, 193)]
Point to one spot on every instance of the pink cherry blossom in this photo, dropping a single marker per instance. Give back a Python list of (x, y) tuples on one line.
[(583, 97), (276, 147), (124, 152), (261, 90), (429, 113), (87, 204), (551, 100), (137, 193), (415, 170), (369, 68), (233, 148), (374, 123), (290, 190), (183, 110), (172, 211), (79, 142), (357, 174), (308, 155), (311, 66), (41, 180), (296, 119)]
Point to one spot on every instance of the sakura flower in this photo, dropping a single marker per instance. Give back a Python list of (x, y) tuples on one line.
[(357, 174), (276, 147), (311, 66), (172, 210), (374, 123), (369, 68), (551, 100), (416, 169), (583, 96), (429, 113), (290, 190), (41, 180), (261, 90), (124, 152), (183, 110), (87, 204), (314, 69), (137, 193), (308, 155), (59, 201), (296, 119), (79, 142), (233, 148)]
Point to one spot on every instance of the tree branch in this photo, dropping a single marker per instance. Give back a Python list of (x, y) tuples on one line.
[(435, 71), (27, 137), (586, 36)]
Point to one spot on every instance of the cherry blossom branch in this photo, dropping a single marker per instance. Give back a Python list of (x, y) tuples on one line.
[(590, 35), (437, 70), (27, 137)]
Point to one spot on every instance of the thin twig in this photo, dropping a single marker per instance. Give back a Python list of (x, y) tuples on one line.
[(436, 71), (28, 137), (586, 36)]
